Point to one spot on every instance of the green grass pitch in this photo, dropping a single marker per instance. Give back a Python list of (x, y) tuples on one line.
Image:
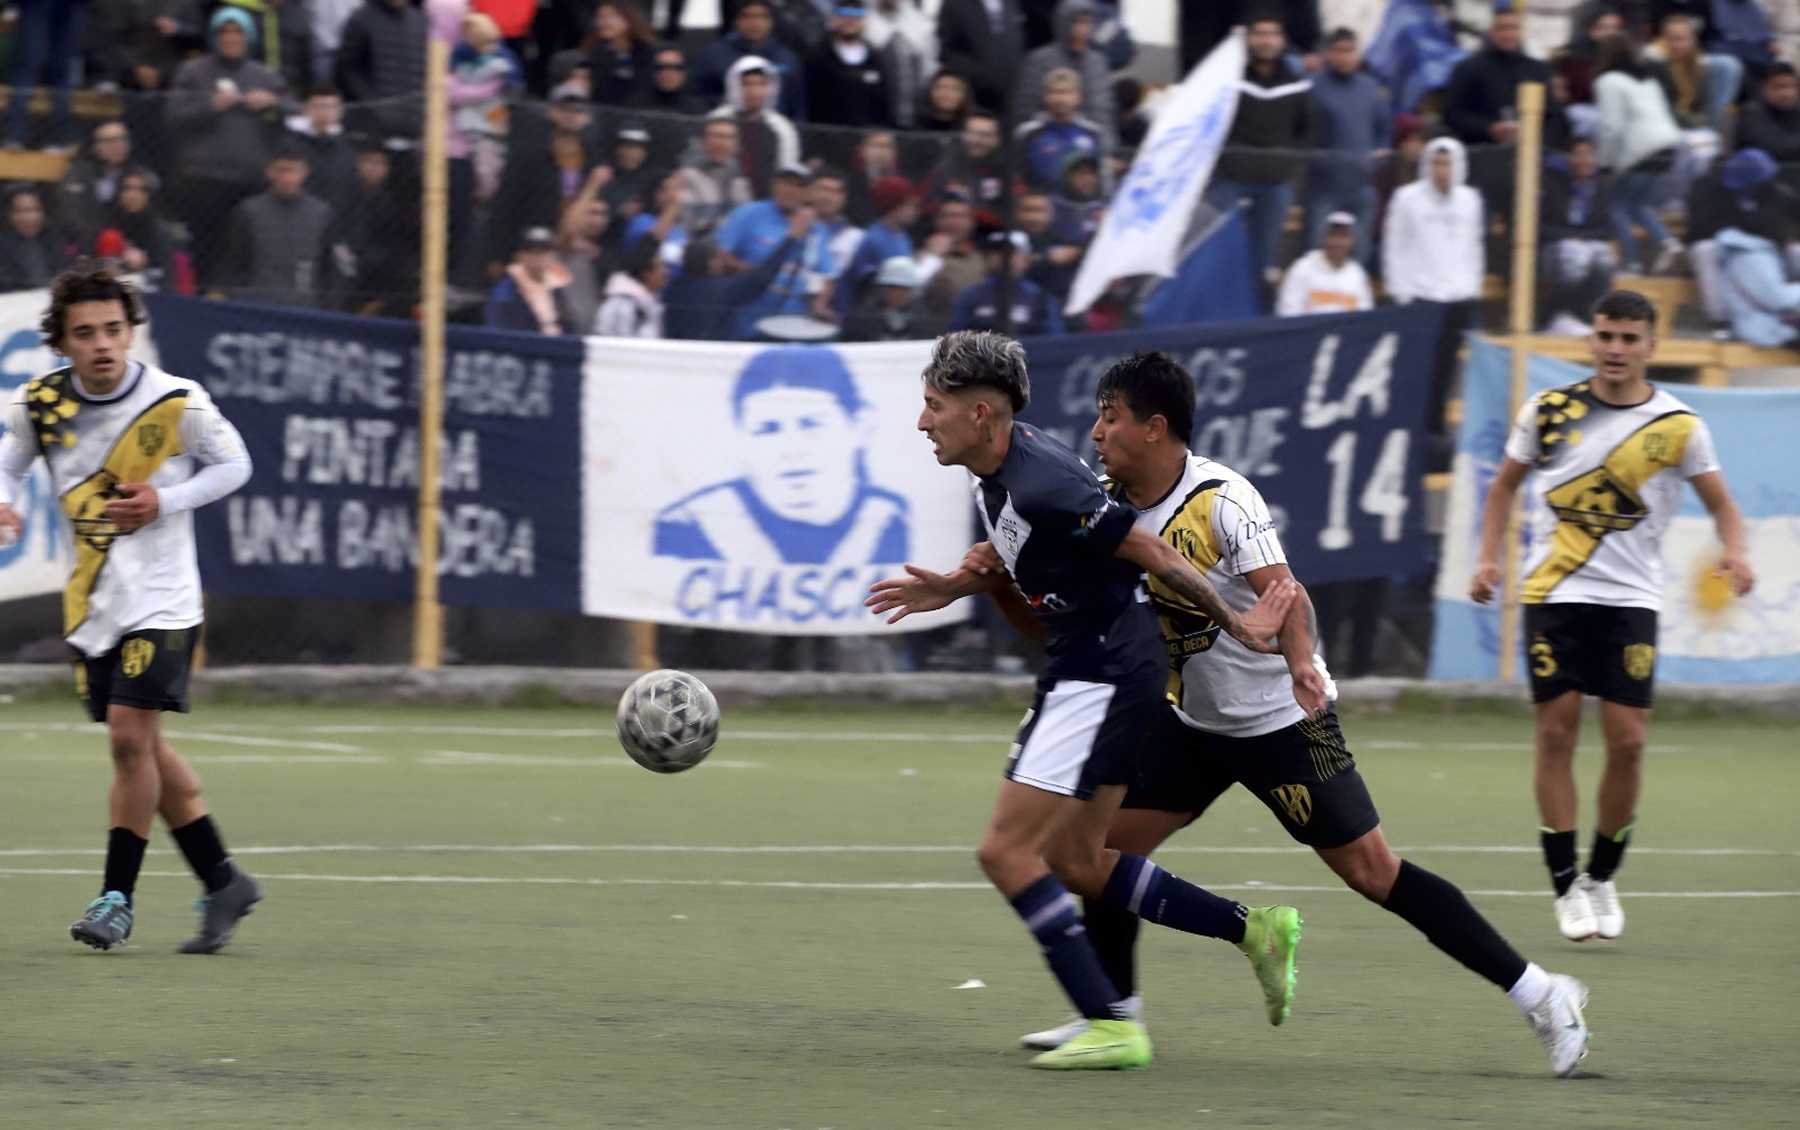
[(489, 918)]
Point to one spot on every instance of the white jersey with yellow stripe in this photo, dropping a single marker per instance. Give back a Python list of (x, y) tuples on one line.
[(1220, 523), (1605, 483), (156, 428)]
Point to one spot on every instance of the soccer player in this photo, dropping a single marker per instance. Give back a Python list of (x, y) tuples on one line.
[(1263, 721), (1609, 455), (132, 451), (1078, 556)]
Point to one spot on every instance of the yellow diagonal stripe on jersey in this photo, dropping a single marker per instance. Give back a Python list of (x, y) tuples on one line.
[(1606, 499), (151, 437), (1186, 629)]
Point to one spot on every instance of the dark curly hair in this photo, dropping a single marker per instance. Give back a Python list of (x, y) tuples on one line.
[(86, 281)]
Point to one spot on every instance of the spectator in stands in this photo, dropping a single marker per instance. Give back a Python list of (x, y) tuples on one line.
[(277, 239), (530, 296), (91, 182), (1741, 28), (1005, 299), (139, 43), (753, 34), (1261, 158), (225, 110), (1327, 279), (1638, 140), (713, 182), (896, 209), (1772, 123), (283, 36), (329, 18), (1078, 201), (1758, 293), (877, 157), (848, 82), (843, 238), (484, 75), (754, 231), (1703, 87), (662, 222), (534, 190), (1128, 103), (381, 60), (631, 307), (1578, 63), (634, 182), (1043, 145), (1433, 248), (31, 251), (904, 36), (975, 169), (44, 42), (132, 234), (890, 309), (946, 105), (318, 132), (1401, 166), (621, 53), (1352, 122), (374, 240), (588, 246), (703, 301), (985, 41), (1073, 49), (949, 261), (669, 90), (1054, 258), (1576, 259), (1480, 107), (767, 140)]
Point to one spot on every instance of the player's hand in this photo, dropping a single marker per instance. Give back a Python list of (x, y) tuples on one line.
[(984, 560), (1485, 583), (138, 506), (1736, 569), (920, 590), (11, 525), (1310, 691), (1257, 628)]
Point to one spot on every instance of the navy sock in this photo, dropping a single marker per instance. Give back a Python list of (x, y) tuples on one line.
[(1049, 913), (1559, 856), (124, 858), (1113, 932), (1437, 909), (205, 852), (1146, 890), (1608, 851)]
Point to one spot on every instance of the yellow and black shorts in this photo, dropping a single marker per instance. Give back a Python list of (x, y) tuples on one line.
[(148, 669), (1594, 649)]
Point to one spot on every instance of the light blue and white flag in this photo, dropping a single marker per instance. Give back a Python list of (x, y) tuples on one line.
[(1147, 222)]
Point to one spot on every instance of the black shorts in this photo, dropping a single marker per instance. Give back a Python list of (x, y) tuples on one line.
[(148, 669), (1303, 773), (1595, 649), (1079, 736)]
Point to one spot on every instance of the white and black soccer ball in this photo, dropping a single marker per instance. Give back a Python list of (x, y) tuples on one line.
[(668, 721)]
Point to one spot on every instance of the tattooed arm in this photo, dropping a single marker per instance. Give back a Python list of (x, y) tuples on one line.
[(1254, 629)]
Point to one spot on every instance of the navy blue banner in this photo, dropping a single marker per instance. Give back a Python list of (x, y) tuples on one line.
[(328, 405), (1326, 415)]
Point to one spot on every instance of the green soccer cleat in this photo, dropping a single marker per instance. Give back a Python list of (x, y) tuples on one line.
[(1107, 1045), (1272, 943), (107, 922)]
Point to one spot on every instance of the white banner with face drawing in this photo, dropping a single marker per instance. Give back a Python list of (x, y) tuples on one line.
[(761, 488)]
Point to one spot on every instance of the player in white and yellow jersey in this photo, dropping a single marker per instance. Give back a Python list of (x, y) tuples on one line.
[(132, 452), (1608, 457), (1265, 722)]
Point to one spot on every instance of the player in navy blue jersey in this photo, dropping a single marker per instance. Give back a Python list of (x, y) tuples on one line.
[(1079, 559)]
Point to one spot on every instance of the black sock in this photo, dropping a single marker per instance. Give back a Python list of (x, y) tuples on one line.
[(1559, 856), (124, 859), (1438, 910), (205, 853), (1608, 851), (1113, 932)]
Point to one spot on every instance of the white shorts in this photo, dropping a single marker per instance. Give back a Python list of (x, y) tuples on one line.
[(1079, 736)]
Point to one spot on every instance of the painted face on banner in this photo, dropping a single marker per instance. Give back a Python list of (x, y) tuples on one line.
[(800, 447)]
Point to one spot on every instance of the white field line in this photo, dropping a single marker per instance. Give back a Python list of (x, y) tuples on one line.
[(447, 758), (841, 849), (809, 885)]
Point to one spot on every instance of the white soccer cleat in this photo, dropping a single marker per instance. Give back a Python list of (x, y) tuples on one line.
[(1603, 897), (1575, 914), (1558, 1024), (1056, 1037)]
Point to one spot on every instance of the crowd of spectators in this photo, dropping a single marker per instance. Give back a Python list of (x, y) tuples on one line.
[(870, 169)]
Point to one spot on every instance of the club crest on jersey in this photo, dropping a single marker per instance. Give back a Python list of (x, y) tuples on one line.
[(1640, 660), (150, 438), (1296, 801), (135, 657), (1656, 447)]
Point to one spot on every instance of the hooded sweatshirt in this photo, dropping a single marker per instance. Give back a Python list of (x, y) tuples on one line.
[(629, 309), (227, 145), (1432, 246), (1091, 65), (713, 71), (1758, 298), (768, 141)]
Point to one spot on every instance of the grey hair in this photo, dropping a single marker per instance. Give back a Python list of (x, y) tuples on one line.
[(979, 358)]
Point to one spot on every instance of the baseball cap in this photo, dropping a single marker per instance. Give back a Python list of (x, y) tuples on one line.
[(635, 135), (897, 271), (537, 239), (568, 93), (1340, 220), (796, 170), (998, 240)]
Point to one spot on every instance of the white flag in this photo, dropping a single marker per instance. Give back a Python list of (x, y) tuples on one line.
[(1149, 215)]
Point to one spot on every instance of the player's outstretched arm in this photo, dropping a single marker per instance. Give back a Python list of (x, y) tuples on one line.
[(1494, 515), (16, 455), (1255, 629), (1729, 522), (1299, 638), (984, 560), (921, 590)]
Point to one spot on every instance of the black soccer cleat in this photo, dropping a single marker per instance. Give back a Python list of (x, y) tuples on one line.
[(107, 922), (220, 911)]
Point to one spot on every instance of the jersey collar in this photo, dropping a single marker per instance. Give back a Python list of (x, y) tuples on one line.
[(134, 372)]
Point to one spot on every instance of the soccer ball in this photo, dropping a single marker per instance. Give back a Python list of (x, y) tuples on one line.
[(668, 721)]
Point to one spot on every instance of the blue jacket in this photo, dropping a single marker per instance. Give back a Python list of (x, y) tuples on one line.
[(1758, 298), (705, 307), (1351, 120)]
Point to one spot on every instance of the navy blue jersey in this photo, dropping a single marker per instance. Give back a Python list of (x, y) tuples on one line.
[(1057, 531)]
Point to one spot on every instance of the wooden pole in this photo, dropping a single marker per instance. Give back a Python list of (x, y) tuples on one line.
[(428, 614), (1527, 160)]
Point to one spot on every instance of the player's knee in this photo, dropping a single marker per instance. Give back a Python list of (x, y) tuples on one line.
[(1372, 875), (1556, 744), (130, 748), (998, 857), (1625, 751)]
